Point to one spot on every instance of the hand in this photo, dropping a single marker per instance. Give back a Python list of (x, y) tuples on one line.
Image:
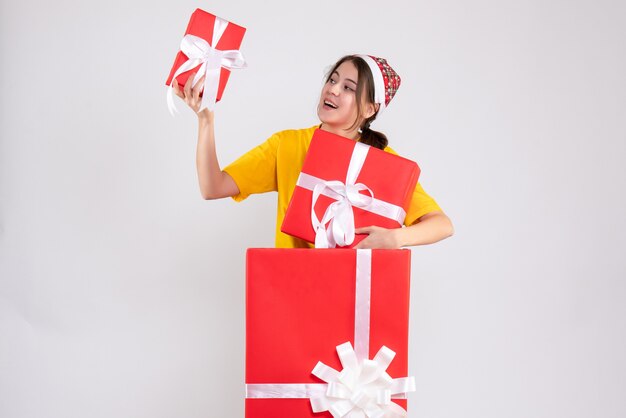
[(191, 96), (381, 238)]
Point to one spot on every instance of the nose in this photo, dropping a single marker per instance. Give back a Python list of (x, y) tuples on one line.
[(334, 89)]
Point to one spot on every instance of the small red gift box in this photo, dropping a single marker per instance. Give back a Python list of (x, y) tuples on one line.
[(301, 304), (216, 34), (334, 190)]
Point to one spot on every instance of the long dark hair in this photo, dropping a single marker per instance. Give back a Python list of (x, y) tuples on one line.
[(364, 89)]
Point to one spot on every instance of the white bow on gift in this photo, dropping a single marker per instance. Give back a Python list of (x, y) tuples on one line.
[(339, 214), (211, 61), (361, 389)]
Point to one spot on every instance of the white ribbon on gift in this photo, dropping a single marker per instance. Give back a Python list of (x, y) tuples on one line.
[(363, 388), (339, 215), (211, 61)]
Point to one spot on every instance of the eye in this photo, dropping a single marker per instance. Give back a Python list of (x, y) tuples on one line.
[(347, 87), (332, 80)]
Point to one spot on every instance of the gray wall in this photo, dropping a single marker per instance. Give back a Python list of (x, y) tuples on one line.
[(122, 291)]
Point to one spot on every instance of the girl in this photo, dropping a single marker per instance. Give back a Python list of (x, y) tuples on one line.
[(357, 89)]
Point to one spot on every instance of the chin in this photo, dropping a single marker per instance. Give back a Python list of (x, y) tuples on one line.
[(323, 118)]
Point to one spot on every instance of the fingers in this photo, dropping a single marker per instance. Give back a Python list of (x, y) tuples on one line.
[(365, 230), (177, 89), (363, 245), (190, 93), (188, 85), (198, 87)]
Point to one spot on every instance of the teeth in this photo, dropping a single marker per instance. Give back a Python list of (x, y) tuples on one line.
[(330, 104)]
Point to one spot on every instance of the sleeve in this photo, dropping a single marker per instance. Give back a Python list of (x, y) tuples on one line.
[(255, 171), (421, 204)]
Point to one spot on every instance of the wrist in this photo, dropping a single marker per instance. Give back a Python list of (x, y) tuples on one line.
[(399, 238), (205, 117)]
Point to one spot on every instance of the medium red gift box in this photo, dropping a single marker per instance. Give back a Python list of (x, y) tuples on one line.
[(203, 25), (302, 303), (331, 163)]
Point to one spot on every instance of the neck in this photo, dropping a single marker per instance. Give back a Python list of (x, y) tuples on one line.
[(350, 134)]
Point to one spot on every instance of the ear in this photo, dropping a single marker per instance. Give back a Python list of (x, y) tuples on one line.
[(370, 110)]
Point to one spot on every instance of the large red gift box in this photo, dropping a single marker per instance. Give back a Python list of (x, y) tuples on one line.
[(203, 24), (336, 160), (300, 304)]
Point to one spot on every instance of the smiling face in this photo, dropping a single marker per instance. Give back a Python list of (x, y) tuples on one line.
[(338, 108)]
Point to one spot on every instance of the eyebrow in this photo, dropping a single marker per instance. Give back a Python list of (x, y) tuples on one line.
[(347, 79)]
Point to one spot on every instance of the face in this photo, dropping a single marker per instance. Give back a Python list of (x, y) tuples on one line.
[(337, 108)]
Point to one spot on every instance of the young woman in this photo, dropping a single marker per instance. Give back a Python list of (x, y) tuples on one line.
[(357, 89)]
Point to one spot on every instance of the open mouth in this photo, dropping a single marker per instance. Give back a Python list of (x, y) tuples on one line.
[(329, 104)]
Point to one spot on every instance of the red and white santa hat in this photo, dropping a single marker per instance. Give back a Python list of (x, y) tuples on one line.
[(386, 80)]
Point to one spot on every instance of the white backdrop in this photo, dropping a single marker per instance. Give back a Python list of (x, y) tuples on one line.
[(122, 291)]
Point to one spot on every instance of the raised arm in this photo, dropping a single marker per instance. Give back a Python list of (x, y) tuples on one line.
[(214, 183)]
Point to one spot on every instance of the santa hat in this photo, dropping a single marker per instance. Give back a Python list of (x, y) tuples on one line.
[(386, 80)]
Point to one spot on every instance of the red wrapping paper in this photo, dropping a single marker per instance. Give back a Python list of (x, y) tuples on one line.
[(392, 179), (201, 25), (300, 304)]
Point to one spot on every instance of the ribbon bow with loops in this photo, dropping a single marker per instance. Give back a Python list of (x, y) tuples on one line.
[(211, 61), (339, 215), (363, 388)]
